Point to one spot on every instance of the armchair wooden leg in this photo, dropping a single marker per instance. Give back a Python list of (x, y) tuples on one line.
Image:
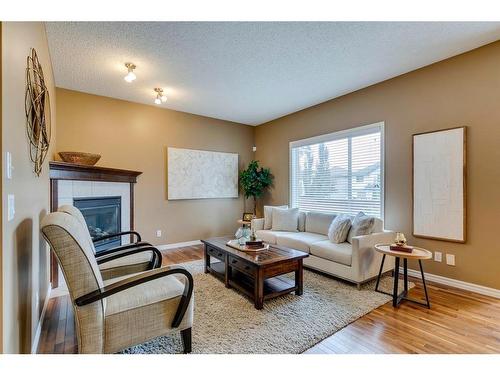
[(186, 340)]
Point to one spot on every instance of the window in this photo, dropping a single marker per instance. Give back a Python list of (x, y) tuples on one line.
[(340, 172)]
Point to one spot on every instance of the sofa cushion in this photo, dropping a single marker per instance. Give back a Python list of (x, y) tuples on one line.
[(302, 221), (285, 219), (378, 226), (299, 241), (126, 265), (339, 228), (268, 216), (269, 236), (336, 252), (318, 222), (361, 225)]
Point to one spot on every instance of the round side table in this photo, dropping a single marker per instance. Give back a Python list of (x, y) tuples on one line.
[(417, 254)]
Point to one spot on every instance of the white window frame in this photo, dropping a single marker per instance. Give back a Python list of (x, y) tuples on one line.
[(353, 132)]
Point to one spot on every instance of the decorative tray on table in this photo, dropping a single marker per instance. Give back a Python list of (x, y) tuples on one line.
[(249, 246), (403, 248)]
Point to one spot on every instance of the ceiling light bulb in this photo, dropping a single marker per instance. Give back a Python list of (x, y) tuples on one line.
[(130, 75), (163, 98), (157, 100)]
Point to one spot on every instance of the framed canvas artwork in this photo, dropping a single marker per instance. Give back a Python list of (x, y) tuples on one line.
[(439, 185), (199, 174)]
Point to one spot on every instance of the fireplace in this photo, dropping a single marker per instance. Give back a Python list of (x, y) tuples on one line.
[(103, 217), (73, 183)]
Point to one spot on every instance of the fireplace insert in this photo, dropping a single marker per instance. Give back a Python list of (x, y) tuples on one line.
[(103, 217)]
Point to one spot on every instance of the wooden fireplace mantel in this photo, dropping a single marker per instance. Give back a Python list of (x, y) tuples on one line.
[(59, 170), (66, 171)]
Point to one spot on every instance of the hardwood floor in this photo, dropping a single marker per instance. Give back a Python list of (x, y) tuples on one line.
[(458, 322)]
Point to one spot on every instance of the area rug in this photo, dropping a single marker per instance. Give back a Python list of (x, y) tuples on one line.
[(225, 321)]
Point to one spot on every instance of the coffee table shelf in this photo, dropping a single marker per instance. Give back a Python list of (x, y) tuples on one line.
[(273, 287), (258, 275), (218, 269)]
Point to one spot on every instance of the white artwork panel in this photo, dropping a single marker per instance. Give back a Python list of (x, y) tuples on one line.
[(197, 174), (438, 185)]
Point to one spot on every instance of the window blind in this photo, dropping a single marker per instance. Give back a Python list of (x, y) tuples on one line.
[(340, 172)]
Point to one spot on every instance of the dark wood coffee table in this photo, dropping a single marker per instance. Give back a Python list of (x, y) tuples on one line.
[(256, 274)]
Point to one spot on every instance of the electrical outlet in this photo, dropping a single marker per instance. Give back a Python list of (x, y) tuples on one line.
[(438, 256), (450, 259), (158, 233)]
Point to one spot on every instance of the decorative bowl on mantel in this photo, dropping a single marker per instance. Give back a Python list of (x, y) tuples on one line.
[(82, 158)]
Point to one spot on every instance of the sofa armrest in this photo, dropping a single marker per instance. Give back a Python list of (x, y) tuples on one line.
[(365, 259), (370, 240), (257, 224)]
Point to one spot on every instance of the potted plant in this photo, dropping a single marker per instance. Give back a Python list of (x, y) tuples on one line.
[(255, 180)]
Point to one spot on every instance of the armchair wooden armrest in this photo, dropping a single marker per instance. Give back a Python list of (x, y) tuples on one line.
[(122, 285), (108, 236), (130, 250), (122, 247)]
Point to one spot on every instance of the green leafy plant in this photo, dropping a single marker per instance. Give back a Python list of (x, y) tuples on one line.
[(254, 181)]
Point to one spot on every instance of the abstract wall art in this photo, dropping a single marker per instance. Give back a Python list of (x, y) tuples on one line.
[(198, 174), (439, 185)]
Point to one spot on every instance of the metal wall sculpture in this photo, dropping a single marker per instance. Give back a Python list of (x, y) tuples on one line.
[(37, 107)]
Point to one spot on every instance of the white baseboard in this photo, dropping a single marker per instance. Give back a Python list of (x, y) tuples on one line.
[(171, 246), (38, 332), (487, 291)]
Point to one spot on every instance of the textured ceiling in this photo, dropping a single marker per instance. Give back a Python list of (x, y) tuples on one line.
[(249, 72)]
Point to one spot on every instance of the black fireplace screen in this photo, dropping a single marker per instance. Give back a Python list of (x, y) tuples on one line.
[(103, 217)]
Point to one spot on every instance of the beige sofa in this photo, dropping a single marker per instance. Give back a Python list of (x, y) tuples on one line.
[(354, 260)]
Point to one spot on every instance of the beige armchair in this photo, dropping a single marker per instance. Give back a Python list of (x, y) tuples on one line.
[(113, 315), (122, 260)]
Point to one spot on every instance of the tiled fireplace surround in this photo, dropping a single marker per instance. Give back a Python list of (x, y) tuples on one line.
[(68, 190)]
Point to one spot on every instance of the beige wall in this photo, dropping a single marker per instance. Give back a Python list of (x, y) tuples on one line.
[(1, 204), (136, 136), (25, 255), (464, 90)]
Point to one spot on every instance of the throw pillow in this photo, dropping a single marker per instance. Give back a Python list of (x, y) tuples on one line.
[(339, 229), (361, 225), (268, 216), (285, 219)]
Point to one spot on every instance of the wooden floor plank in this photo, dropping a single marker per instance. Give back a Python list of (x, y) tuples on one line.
[(458, 322), (70, 344)]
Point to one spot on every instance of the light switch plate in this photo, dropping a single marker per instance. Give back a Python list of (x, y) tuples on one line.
[(450, 259), (8, 161), (11, 207), (438, 256), (158, 233)]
